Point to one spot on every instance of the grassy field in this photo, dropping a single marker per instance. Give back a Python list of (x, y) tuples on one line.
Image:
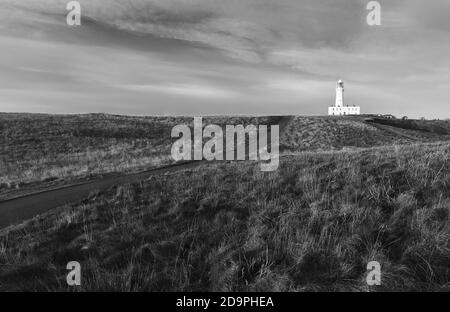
[(312, 225), (328, 133), (348, 191), (38, 151), (36, 148)]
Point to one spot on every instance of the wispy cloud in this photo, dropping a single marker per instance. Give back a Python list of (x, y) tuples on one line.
[(183, 90)]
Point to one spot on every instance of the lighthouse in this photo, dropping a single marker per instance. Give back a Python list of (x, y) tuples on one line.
[(339, 109), (339, 94)]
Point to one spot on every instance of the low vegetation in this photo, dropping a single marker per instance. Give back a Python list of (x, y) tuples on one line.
[(38, 150), (312, 225), (328, 133), (43, 148)]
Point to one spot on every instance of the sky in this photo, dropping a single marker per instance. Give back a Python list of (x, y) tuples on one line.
[(203, 57)]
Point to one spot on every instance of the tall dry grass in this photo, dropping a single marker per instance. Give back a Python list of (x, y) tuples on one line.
[(312, 225)]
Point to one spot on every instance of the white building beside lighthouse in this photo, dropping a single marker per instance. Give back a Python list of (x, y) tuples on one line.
[(339, 109)]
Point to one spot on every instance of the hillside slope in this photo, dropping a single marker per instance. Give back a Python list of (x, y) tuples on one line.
[(312, 225), (40, 150), (325, 133)]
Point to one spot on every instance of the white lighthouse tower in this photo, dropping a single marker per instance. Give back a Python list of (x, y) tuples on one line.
[(339, 94), (339, 108)]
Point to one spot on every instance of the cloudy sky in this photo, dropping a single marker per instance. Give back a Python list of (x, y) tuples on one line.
[(198, 57)]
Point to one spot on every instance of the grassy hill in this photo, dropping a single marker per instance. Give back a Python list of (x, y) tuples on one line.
[(348, 191), (312, 225), (39, 150), (334, 133), (45, 148)]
